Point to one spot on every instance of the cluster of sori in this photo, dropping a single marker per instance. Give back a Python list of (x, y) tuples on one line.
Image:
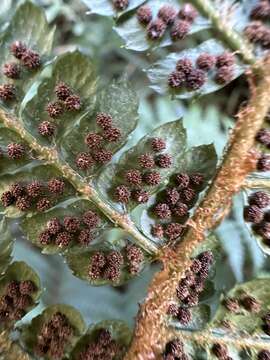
[(174, 350), (66, 101), (53, 337), (257, 31), (101, 347), (81, 230), (255, 212), (27, 58), (247, 302), (108, 265), (16, 300), (173, 204), (37, 195), (13, 151), (190, 288), (263, 137), (144, 174), (120, 5), (191, 77), (179, 22), (97, 141), (221, 351)]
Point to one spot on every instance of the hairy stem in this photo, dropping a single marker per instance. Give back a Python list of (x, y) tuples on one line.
[(50, 156), (220, 23), (239, 160)]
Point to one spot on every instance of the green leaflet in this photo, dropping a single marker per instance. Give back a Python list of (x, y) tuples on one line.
[(6, 245), (263, 243), (24, 176), (31, 331), (243, 320), (20, 271), (34, 225), (8, 166), (135, 36), (118, 329), (77, 71), (120, 101), (30, 26), (79, 260), (159, 72), (175, 136), (106, 8)]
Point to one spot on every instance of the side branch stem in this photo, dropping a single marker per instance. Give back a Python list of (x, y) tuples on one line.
[(50, 156), (208, 337), (239, 160)]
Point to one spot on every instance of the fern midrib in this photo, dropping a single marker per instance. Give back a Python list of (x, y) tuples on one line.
[(50, 156)]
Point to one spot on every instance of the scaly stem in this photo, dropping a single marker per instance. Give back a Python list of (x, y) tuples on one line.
[(220, 24), (50, 156), (239, 160)]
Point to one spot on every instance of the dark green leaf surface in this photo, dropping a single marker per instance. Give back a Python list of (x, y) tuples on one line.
[(6, 245), (121, 102), (158, 73), (106, 8), (119, 330), (34, 225), (30, 26), (135, 36), (31, 331), (77, 71)]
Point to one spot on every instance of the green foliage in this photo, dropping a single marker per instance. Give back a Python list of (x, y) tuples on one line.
[(36, 35)]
